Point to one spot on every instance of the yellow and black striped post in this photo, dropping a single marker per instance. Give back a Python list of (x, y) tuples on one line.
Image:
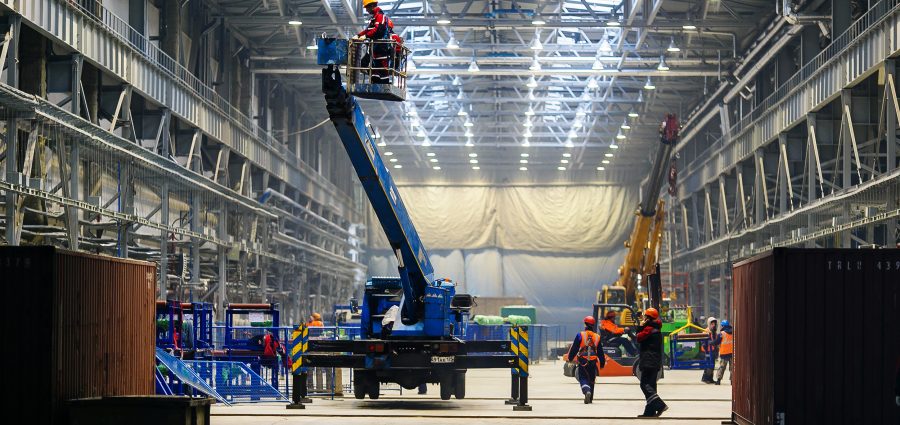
[(514, 371), (299, 344), (522, 404)]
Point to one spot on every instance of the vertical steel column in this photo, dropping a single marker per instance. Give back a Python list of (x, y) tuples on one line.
[(12, 131), (195, 209), (706, 310), (514, 371), (74, 228), (163, 144), (890, 119), (222, 258), (783, 200), (760, 194), (812, 173), (724, 299), (846, 146)]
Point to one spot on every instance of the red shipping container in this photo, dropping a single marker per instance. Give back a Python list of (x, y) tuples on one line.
[(82, 326), (816, 337)]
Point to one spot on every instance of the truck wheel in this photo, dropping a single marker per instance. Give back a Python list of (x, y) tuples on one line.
[(459, 385), (374, 388), (446, 387), (360, 384)]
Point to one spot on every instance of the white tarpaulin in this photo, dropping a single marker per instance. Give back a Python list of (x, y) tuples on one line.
[(554, 245)]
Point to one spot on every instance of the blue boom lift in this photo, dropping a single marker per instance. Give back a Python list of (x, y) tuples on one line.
[(425, 343)]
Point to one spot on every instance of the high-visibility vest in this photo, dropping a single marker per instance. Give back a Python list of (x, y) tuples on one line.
[(588, 349), (727, 345)]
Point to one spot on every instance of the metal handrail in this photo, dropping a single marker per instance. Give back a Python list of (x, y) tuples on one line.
[(839, 45)]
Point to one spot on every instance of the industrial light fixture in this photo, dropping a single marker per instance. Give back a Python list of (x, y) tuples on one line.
[(476, 167), (633, 113), (457, 81), (426, 142), (529, 112), (573, 134), (473, 161), (647, 86), (577, 123), (620, 135), (580, 112), (567, 155), (523, 168), (388, 153), (451, 43), (524, 155), (662, 64), (527, 133), (313, 46), (535, 65), (531, 95), (473, 155), (613, 145), (604, 47), (382, 143), (592, 83), (469, 143), (443, 19), (430, 154), (537, 20), (525, 143), (433, 160), (569, 143), (613, 22), (523, 161), (462, 112), (473, 66), (640, 98), (672, 46), (393, 160), (601, 168), (527, 123), (605, 161), (561, 168), (564, 161), (625, 125), (586, 96), (468, 123), (532, 83), (295, 22), (420, 133), (608, 155), (689, 27), (398, 166), (460, 95), (597, 66), (536, 41), (437, 167), (413, 112), (469, 133)]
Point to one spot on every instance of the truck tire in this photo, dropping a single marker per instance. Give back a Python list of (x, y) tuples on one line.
[(446, 387), (459, 385), (360, 385), (374, 388)]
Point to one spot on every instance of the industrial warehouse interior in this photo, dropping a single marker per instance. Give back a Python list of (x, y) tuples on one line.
[(450, 211)]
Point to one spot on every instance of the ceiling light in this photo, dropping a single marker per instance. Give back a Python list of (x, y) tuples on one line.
[(567, 155), (662, 64), (527, 123), (572, 134), (469, 133), (443, 20), (457, 81), (295, 21), (437, 167), (527, 133), (633, 113), (388, 153), (473, 66), (473, 155), (605, 161), (468, 123), (398, 166), (536, 44), (586, 96), (608, 155), (689, 27), (648, 86), (613, 146), (313, 46), (580, 112), (393, 159), (473, 161), (413, 113), (597, 66), (592, 83), (469, 143), (525, 143), (476, 167), (523, 168), (452, 44), (523, 161), (605, 47), (420, 133), (625, 125), (529, 112), (532, 83), (426, 142), (561, 168), (601, 168), (382, 143), (433, 160), (524, 155), (577, 124), (535, 65), (569, 143), (460, 95), (614, 22), (462, 112), (531, 95), (640, 98), (430, 154), (620, 135), (538, 20), (672, 46), (564, 161)]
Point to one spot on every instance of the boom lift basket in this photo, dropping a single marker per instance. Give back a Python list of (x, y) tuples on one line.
[(376, 69)]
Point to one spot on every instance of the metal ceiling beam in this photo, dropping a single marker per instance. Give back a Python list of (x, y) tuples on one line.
[(652, 72)]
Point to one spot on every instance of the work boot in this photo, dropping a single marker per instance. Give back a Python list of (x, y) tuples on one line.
[(718, 382), (588, 397), (661, 410)]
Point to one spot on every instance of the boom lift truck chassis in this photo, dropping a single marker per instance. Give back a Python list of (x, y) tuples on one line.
[(425, 344)]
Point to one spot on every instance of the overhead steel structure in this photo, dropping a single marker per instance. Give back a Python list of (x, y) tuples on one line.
[(801, 150)]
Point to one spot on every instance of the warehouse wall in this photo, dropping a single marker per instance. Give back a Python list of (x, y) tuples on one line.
[(554, 245)]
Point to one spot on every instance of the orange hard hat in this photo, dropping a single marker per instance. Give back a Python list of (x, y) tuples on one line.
[(317, 316), (589, 320), (651, 312)]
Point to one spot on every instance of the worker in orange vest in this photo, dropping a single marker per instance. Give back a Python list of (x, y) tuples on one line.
[(315, 321), (726, 351), (587, 352), (613, 335)]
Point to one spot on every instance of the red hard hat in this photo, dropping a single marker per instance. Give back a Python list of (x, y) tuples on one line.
[(589, 320), (651, 312)]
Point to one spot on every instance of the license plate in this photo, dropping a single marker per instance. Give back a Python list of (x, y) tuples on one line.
[(442, 359)]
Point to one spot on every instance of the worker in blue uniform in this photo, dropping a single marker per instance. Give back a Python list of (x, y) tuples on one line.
[(587, 352)]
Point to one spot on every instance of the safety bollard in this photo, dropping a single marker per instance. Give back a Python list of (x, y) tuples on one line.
[(299, 344), (522, 404), (514, 371)]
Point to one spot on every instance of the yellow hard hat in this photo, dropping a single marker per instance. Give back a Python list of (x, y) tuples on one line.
[(368, 2), (317, 316)]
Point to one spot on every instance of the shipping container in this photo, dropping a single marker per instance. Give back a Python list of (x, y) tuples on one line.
[(816, 337), (80, 325)]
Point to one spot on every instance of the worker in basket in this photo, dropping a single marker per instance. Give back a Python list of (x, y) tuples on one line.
[(587, 352), (378, 58), (613, 335)]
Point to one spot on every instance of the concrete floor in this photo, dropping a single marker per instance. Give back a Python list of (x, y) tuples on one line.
[(552, 396)]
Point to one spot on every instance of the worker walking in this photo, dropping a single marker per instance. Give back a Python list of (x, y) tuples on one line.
[(650, 362), (587, 352), (379, 28), (726, 351), (710, 347), (613, 335)]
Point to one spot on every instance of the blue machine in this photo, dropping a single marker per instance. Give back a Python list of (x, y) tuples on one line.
[(424, 344), (169, 325), (257, 319), (200, 316)]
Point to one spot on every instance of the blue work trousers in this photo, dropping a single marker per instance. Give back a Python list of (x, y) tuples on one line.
[(587, 374)]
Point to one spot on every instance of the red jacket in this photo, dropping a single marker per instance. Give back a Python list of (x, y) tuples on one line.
[(378, 25)]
